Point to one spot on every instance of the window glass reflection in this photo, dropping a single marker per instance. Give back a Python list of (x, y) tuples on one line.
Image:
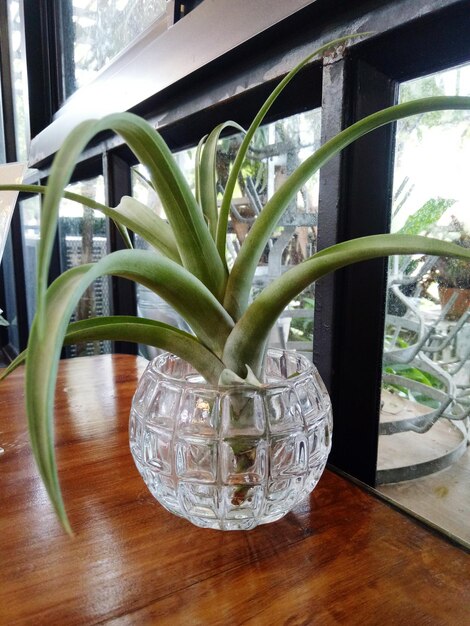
[(94, 31), (423, 457), (30, 212), (83, 239), (19, 78)]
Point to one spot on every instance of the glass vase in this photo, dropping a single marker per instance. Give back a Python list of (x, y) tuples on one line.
[(231, 458)]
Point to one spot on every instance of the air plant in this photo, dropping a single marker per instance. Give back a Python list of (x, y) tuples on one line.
[(186, 264)]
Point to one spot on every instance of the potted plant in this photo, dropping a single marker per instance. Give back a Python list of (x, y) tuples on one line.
[(453, 277), (223, 434)]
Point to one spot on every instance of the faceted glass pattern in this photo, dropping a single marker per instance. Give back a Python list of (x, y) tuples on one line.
[(231, 458)]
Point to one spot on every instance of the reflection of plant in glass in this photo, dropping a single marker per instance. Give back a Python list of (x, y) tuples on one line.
[(447, 271), (452, 272), (410, 372), (275, 152), (301, 328), (190, 268), (434, 85), (421, 221), (83, 239)]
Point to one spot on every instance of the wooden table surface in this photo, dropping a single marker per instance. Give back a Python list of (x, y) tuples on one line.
[(342, 557)]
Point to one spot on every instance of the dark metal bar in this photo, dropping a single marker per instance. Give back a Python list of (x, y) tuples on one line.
[(8, 337), (334, 112), (64, 38), (20, 279), (117, 184), (359, 299)]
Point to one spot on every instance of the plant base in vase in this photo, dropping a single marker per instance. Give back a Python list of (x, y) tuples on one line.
[(231, 458)]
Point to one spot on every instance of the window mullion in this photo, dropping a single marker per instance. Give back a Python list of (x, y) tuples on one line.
[(333, 116), (359, 297), (117, 184)]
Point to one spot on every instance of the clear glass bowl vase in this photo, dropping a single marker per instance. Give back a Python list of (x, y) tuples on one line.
[(231, 458)]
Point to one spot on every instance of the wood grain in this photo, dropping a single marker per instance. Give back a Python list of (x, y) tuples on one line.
[(342, 557)]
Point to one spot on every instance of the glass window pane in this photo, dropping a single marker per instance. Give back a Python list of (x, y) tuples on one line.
[(19, 78), (30, 211), (9, 306), (277, 149), (425, 396), (83, 239), (149, 304), (94, 31)]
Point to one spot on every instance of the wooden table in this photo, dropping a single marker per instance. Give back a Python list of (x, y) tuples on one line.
[(342, 557)]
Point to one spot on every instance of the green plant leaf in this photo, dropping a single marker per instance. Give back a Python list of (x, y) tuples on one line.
[(208, 178), (242, 151), (76, 197), (195, 245), (228, 378), (150, 333), (19, 360), (182, 290), (125, 235), (431, 211), (241, 276), (144, 222), (137, 330), (413, 373), (246, 342), (130, 213), (197, 170), (143, 178)]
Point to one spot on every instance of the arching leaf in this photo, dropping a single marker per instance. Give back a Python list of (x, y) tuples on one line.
[(137, 330), (195, 245), (208, 177), (245, 345), (241, 276), (172, 282), (242, 151)]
